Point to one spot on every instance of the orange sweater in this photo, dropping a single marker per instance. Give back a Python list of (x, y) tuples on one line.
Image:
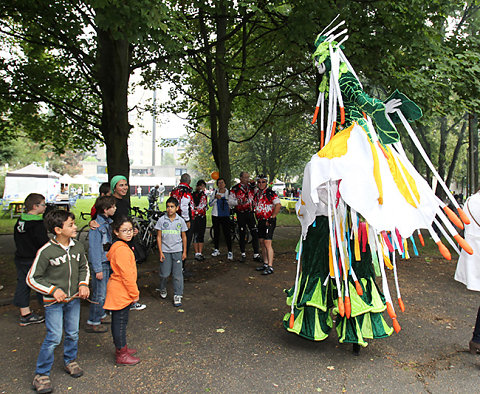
[(122, 287)]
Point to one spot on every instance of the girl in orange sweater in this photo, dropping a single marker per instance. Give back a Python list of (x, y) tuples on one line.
[(122, 289)]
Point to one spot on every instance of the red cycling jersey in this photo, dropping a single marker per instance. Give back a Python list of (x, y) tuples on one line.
[(243, 196), (264, 203), (200, 204), (183, 194)]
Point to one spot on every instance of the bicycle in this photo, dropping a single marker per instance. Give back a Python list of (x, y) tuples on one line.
[(146, 227), (82, 235), (138, 212), (234, 231)]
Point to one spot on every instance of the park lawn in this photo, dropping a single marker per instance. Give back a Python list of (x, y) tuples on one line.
[(85, 205)]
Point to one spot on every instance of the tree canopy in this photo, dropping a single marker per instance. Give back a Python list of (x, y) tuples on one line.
[(240, 69)]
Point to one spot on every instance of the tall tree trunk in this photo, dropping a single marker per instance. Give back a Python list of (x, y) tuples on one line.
[(441, 154), (224, 99), (113, 75), (472, 153), (421, 133), (456, 151)]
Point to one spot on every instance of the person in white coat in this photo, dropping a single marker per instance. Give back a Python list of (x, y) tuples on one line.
[(468, 267)]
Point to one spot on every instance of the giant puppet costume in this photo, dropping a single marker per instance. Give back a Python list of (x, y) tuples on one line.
[(361, 201)]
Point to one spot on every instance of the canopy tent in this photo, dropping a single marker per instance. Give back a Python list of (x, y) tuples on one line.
[(66, 179), (88, 185), (152, 180), (31, 179)]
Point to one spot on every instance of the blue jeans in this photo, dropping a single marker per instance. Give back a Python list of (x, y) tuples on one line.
[(99, 292), (59, 317), (119, 327), (22, 292), (172, 265)]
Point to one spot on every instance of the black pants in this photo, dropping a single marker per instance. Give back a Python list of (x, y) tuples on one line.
[(246, 219), (119, 327), (189, 235), (222, 222), (199, 225), (22, 292), (476, 331)]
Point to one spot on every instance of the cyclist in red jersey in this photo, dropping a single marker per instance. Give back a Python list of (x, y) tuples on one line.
[(199, 224), (241, 198), (183, 194), (267, 206)]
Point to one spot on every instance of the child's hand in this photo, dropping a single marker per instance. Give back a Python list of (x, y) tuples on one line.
[(162, 257), (83, 292), (93, 225), (99, 275), (184, 255), (59, 295)]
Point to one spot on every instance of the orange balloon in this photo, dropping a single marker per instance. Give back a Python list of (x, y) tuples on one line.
[(215, 175)]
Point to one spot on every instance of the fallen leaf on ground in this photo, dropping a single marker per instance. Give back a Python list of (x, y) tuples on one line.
[(220, 330)]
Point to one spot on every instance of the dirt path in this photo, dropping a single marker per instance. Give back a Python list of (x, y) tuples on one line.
[(228, 337)]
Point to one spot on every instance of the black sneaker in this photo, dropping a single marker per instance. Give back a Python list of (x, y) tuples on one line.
[(243, 257), (268, 270), (32, 318), (257, 257), (262, 267)]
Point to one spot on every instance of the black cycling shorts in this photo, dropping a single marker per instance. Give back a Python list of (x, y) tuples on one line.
[(266, 228)]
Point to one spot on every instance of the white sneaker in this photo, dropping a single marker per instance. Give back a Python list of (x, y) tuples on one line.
[(136, 306), (163, 293), (230, 256), (177, 300), (215, 253)]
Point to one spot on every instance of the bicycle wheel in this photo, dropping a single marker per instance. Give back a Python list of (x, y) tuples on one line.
[(82, 236), (211, 233), (236, 234), (234, 230)]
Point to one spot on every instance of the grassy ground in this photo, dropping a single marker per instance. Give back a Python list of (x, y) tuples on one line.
[(85, 205)]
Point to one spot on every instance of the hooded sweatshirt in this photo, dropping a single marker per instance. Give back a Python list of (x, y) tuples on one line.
[(30, 235), (122, 287)]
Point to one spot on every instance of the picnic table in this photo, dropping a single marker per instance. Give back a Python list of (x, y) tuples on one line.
[(16, 208), (289, 203)]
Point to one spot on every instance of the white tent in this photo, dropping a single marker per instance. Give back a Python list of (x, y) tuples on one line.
[(88, 185), (31, 179), (66, 179), (152, 180)]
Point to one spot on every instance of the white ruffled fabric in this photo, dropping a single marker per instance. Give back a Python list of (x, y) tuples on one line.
[(468, 266)]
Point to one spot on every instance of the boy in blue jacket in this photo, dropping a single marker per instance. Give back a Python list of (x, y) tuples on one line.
[(99, 241)]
